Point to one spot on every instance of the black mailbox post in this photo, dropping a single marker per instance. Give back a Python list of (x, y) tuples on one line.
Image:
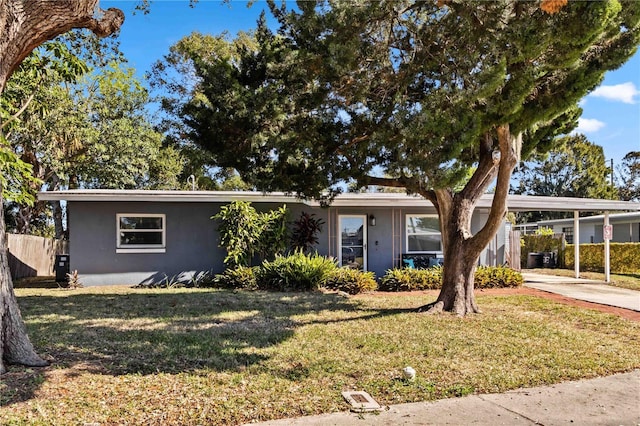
[(62, 268)]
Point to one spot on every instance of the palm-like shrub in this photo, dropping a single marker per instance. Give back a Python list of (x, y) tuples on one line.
[(240, 277), (409, 279), (304, 234), (296, 272), (351, 281)]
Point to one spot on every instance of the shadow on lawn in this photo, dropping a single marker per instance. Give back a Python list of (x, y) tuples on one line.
[(150, 332)]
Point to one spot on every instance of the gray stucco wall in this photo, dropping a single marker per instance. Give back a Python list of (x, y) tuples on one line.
[(493, 255), (191, 243), (192, 240)]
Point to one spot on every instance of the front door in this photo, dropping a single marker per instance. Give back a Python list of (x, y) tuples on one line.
[(353, 241)]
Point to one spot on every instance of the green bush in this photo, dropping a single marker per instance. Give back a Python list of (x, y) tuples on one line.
[(625, 257), (240, 277), (296, 272), (430, 279), (245, 232), (497, 277), (352, 281), (408, 279)]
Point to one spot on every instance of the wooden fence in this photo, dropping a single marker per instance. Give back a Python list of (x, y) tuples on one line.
[(513, 253), (31, 256)]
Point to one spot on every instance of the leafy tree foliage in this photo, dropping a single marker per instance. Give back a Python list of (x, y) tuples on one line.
[(421, 92), (629, 177), (26, 25), (121, 148), (575, 167), (82, 129), (34, 91), (245, 232), (175, 80)]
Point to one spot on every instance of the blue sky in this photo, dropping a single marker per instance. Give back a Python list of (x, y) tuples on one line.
[(611, 116)]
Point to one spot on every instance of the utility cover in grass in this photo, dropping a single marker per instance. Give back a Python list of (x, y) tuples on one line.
[(361, 401)]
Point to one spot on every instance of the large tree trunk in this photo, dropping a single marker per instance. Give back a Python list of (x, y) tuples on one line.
[(462, 249), (24, 25), (15, 345)]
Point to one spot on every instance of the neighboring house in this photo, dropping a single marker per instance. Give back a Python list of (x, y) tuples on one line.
[(133, 237), (626, 228)]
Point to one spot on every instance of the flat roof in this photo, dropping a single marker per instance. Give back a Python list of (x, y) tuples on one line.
[(366, 199)]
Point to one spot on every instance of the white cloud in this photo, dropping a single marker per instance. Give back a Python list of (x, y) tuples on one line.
[(588, 125), (625, 92)]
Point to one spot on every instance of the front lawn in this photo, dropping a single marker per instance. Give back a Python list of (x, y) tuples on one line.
[(194, 356)]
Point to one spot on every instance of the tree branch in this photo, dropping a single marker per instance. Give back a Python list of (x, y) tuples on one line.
[(26, 25), (24, 106), (15, 116), (352, 142), (484, 174), (508, 161)]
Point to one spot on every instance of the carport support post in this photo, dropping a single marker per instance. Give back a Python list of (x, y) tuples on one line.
[(607, 251), (576, 243)]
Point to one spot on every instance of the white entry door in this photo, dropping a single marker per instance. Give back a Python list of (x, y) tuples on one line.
[(353, 241)]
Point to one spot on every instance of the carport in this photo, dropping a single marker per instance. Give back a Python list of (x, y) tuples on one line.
[(523, 203)]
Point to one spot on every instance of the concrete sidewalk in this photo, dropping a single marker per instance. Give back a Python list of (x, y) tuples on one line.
[(612, 400), (587, 290)]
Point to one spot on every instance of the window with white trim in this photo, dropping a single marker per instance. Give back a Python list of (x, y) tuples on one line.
[(141, 233), (423, 233), (568, 234)]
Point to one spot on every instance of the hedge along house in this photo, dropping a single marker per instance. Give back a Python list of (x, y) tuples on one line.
[(141, 236)]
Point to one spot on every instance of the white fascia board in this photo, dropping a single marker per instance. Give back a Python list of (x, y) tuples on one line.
[(342, 200), (164, 196), (369, 199), (373, 199), (565, 204)]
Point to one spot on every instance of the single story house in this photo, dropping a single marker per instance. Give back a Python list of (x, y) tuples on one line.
[(144, 236), (625, 227)]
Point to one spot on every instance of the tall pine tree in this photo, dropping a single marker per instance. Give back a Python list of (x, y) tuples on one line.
[(411, 95)]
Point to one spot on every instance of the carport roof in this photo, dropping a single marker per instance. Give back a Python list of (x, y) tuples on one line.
[(368, 199)]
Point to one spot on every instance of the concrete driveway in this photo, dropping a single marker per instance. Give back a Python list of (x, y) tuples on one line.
[(587, 290)]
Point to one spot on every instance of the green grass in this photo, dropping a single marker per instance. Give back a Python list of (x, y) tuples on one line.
[(630, 281), (188, 356)]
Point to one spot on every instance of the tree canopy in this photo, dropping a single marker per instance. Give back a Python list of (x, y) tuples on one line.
[(81, 126), (345, 89), (172, 79), (575, 167), (25, 26), (629, 177), (404, 94)]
